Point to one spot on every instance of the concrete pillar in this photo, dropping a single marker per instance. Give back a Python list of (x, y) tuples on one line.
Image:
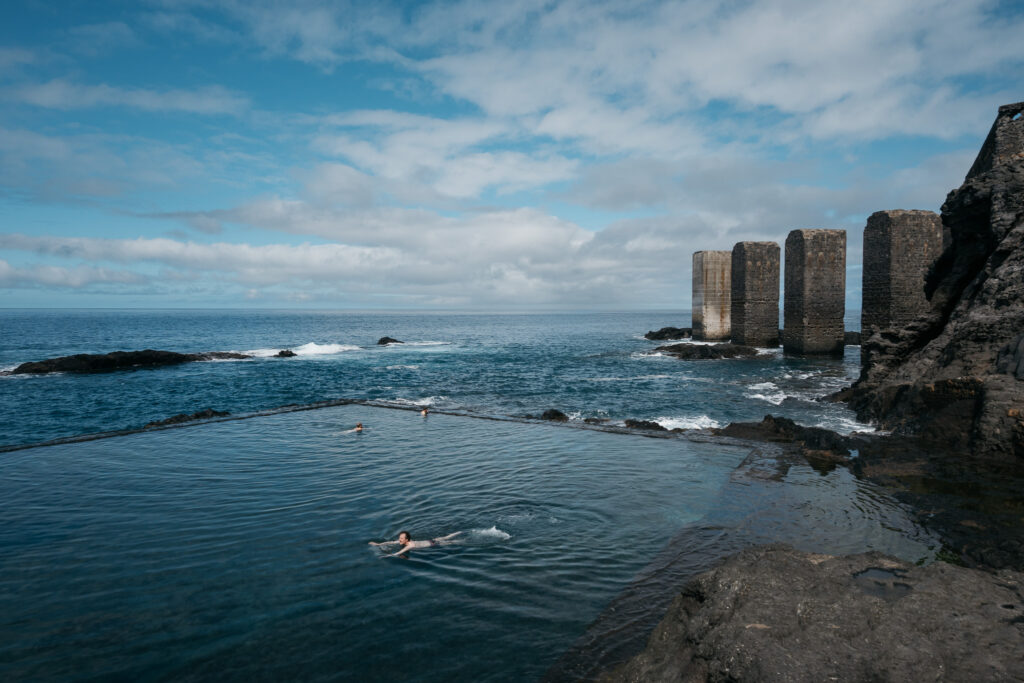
[(815, 292), (755, 293), (712, 291), (899, 248)]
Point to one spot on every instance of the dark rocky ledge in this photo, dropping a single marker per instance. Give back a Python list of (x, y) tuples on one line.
[(667, 333), (119, 360), (384, 341), (207, 414), (708, 351), (285, 353), (772, 613)]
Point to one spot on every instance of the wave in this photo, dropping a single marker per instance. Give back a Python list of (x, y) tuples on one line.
[(423, 343), (419, 402), (400, 367), (691, 422), (847, 425), (310, 349)]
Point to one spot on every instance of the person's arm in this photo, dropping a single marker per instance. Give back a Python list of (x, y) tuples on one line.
[(384, 543), (405, 548)]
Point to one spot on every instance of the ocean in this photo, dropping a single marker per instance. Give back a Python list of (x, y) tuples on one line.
[(239, 549)]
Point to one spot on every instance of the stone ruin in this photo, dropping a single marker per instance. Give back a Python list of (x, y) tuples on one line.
[(755, 293), (815, 300), (899, 249), (712, 287)]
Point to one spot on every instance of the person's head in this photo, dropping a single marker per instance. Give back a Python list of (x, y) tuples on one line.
[(359, 425), (404, 537)]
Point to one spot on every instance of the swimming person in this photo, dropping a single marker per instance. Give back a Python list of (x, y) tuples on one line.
[(424, 411), (405, 540), (359, 427)]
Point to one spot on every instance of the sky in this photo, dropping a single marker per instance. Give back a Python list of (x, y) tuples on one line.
[(480, 156)]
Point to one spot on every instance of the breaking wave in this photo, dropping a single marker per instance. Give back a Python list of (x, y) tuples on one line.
[(310, 349)]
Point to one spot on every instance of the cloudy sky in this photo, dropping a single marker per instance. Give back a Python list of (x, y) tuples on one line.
[(519, 155)]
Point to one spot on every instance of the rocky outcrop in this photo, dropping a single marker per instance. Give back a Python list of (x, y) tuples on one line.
[(384, 341), (119, 360), (952, 376), (783, 430), (667, 333), (285, 353), (207, 414), (645, 424), (708, 351), (771, 613), (554, 415)]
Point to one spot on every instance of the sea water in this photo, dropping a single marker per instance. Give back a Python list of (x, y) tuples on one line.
[(592, 365), (240, 549)]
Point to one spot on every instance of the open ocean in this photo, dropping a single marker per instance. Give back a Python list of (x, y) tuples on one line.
[(239, 549)]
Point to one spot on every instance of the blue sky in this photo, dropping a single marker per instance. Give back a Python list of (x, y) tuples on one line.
[(467, 155)]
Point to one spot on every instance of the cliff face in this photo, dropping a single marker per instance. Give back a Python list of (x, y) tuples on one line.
[(956, 375)]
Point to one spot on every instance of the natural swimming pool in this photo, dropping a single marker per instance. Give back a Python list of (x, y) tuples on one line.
[(239, 549)]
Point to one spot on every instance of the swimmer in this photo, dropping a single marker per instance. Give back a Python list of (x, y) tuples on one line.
[(405, 540), (359, 427), (424, 411)]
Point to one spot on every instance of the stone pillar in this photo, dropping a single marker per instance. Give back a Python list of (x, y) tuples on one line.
[(815, 292), (755, 293), (712, 290), (899, 248)]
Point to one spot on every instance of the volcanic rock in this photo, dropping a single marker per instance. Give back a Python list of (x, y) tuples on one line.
[(708, 351), (667, 333), (554, 415), (784, 430), (645, 424), (771, 613), (286, 353), (119, 360), (953, 376), (383, 341)]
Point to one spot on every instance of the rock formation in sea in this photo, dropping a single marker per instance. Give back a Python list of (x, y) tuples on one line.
[(667, 333), (772, 613), (955, 376), (285, 353), (708, 351), (554, 415), (384, 341), (119, 360), (207, 414)]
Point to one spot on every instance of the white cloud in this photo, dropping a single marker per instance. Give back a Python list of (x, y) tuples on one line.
[(62, 94), (55, 276)]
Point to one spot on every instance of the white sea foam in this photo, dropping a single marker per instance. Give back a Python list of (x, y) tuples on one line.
[(401, 367), (493, 533), (775, 397), (419, 402), (690, 422), (423, 343), (310, 349), (846, 425), (761, 386)]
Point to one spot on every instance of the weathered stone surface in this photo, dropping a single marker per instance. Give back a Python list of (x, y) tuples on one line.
[(815, 300), (708, 351), (383, 341), (954, 371), (784, 430), (119, 360), (755, 294), (712, 294), (667, 333), (771, 613), (554, 415), (899, 249), (184, 417)]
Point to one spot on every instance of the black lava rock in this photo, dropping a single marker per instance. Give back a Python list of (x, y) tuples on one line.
[(645, 424), (708, 351), (119, 360), (554, 415), (286, 353), (383, 341), (667, 333)]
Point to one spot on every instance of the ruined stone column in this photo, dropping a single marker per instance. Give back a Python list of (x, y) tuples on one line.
[(899, 248), (815, 299), (712, 293), (755, 293)]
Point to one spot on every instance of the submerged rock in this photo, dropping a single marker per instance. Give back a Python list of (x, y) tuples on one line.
[(772, 613), (950, 376), (286, 353), (667, 333), (119, 360), (183, 417), (384, 341), (708, 351), (554, 415)]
